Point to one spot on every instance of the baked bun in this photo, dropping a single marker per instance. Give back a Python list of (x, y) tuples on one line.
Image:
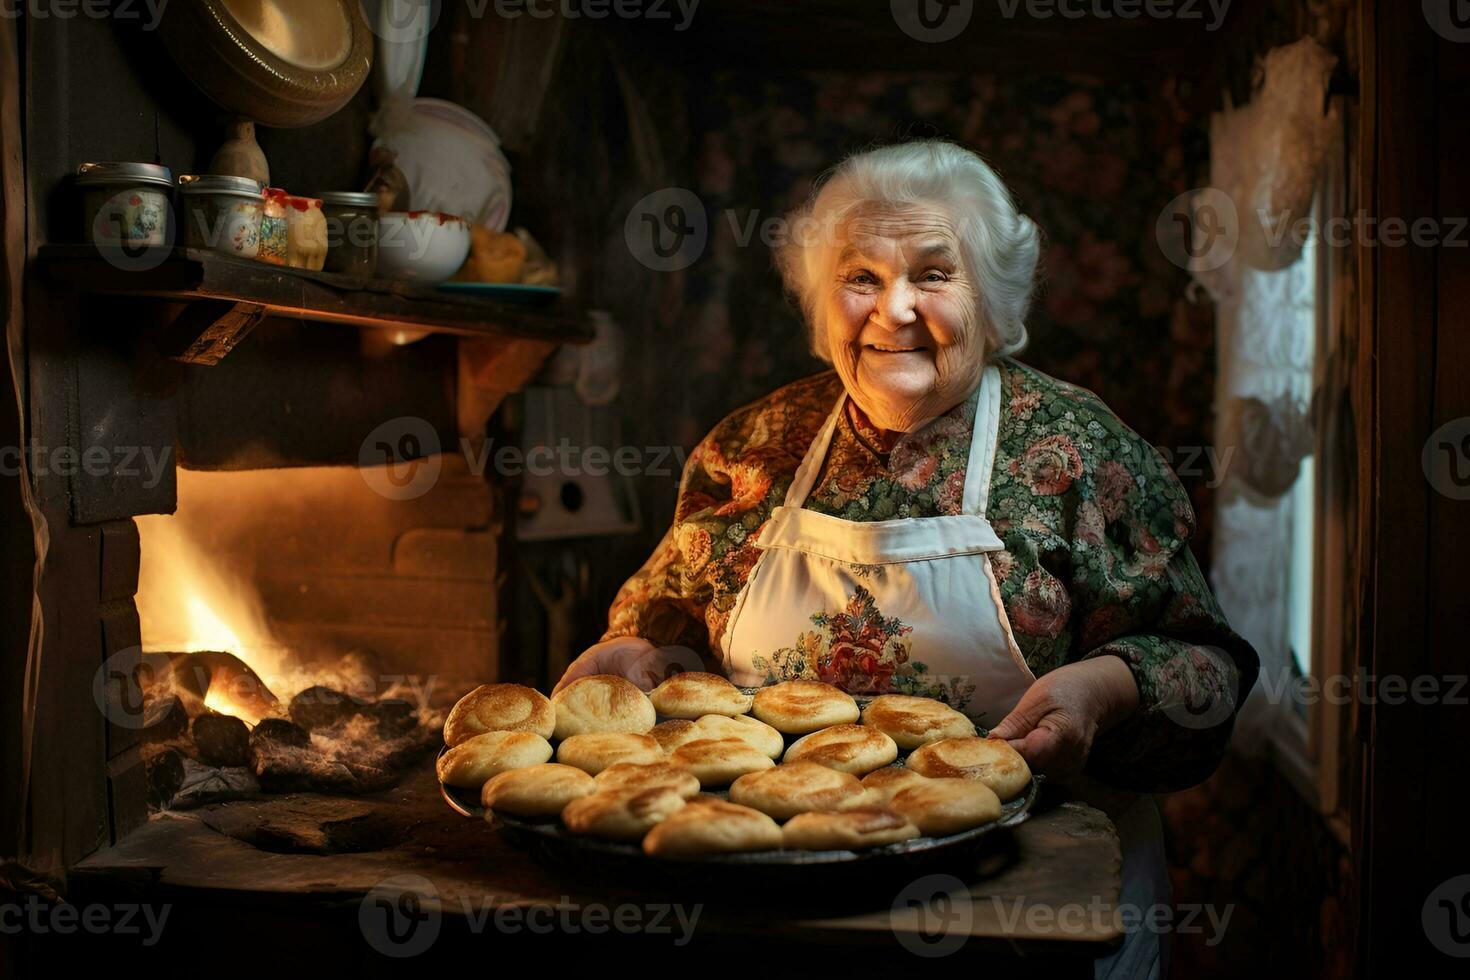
[(719, 761), (652, 775), (850, 830), (675, 732), (890, 779), (799, 707), (693, 694), (947, 806), (798, 787), (595, 751), (990, 760), (756, 733), (710, 826), (911, 721), (536, 791), (620, 815), (472, 762), (499, 708), (857, 749), (601, 703)]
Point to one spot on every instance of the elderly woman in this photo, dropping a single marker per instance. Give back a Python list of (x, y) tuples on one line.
[(937, 519)]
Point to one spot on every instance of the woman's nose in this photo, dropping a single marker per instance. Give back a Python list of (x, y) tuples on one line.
[(896, 306)]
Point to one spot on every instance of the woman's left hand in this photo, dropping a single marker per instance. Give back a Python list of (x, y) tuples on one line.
[(1057, 718)]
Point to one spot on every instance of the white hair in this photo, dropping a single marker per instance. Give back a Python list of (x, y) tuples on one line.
[(999, 245)]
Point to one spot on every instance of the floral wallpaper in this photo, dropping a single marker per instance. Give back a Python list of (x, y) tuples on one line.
[(1093, 163)]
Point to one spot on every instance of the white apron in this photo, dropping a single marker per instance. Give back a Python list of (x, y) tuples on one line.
[(934, 601), (931, 574)]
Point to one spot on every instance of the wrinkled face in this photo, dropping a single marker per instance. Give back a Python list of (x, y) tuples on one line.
[(902, 320)]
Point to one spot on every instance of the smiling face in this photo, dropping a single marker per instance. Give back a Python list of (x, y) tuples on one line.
[(903, 325)]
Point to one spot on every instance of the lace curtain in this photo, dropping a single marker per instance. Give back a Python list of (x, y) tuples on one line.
[(1266, 161)]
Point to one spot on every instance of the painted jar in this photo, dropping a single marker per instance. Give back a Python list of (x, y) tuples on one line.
[(274, 236), (306, 229), (352, 232), (126, 205), (222, 214)]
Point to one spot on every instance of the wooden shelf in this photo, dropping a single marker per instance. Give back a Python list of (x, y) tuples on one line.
[(227, 297)]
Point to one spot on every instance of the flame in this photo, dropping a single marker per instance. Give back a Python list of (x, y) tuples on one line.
[(190, 603)]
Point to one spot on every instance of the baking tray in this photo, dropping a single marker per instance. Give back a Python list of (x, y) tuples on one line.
[(840, 875)]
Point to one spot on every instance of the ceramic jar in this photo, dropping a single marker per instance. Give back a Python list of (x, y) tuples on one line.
[(352, 232), (222, 214), (274, 237), (306, 231), (126, 204)]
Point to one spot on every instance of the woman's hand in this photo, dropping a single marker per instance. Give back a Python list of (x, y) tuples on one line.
[(632, 657), (1057, 718)]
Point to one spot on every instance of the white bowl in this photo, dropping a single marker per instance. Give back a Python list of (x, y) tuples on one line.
[(421, 246)]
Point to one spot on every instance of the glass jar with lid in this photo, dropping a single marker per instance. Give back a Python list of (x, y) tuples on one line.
[(222, 213), (126, 204), (352, 232)]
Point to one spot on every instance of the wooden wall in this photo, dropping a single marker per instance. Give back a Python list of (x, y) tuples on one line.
[(1409, 834)]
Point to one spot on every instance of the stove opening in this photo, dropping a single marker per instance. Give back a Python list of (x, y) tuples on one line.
[(303, 631)]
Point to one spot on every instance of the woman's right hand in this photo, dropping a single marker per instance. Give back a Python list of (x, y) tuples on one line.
[(632, 657)]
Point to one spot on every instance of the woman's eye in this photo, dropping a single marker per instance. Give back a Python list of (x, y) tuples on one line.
[(934, 275), (862, 279)]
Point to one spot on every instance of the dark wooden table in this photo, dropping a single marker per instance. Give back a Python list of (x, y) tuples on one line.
[(363, 881)]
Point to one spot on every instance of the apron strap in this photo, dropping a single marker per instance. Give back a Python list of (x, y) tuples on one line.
[(982, 444), (977, 469), (811, 463)]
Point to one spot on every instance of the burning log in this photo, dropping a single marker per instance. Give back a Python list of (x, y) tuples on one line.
[(318, 708), (164, 719), (164, 771), (394, 717), (205, 784), (223, 679), (279, 731), (221, 740)]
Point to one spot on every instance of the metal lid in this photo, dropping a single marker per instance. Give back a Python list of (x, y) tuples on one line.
[(221, 184), (125, 173), (356, 199)]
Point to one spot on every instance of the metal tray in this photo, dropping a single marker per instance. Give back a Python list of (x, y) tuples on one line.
[(837, 874)]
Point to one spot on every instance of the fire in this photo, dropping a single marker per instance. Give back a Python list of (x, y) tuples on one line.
[(190, 603)]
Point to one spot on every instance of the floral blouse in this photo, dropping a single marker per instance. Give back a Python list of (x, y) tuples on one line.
[(1095, 563)]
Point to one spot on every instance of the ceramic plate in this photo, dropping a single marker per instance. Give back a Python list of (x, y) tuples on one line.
[(452, 161)]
